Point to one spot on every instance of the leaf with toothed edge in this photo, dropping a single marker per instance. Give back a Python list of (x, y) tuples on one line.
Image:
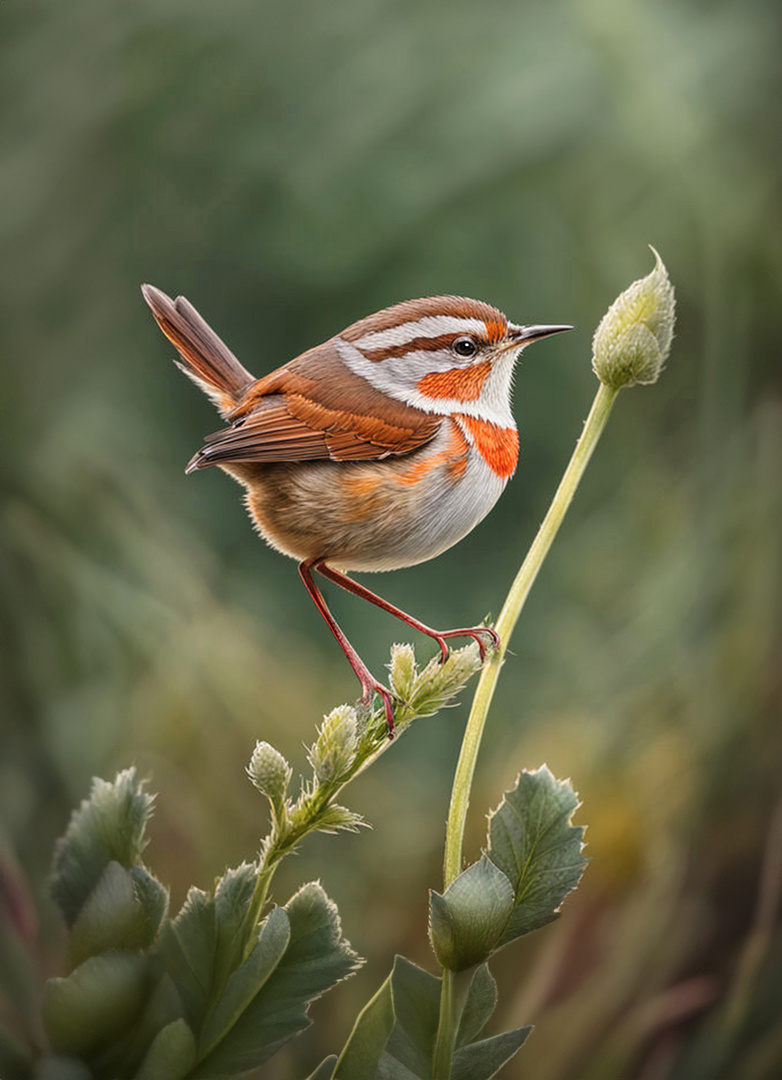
[(532, 841), (316, 958)]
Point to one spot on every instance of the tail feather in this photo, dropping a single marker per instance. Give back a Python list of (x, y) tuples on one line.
[(205, 358)]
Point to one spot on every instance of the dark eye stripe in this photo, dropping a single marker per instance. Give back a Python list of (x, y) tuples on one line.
[(421, 344)]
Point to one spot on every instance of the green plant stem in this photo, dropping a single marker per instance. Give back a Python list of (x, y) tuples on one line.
[(453, 995), (450, 1003), (509, 616)]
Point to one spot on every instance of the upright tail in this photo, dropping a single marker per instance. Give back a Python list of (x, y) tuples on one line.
[(205, 358)]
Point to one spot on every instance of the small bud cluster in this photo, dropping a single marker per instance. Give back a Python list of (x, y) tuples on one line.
[(633, 340), (350, 738)]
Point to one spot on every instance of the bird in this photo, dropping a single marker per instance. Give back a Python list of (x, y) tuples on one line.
[(376, 450)]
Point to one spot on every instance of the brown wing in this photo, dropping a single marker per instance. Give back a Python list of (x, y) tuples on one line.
[(316, 408)]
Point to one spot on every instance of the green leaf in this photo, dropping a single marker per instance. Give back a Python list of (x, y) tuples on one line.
[(233, 894), (466, 923), (162, 1006), (171, 1055), (317, 958), (247, 980), (95, 1004), (416, 996), (112, 917), (109, 826), (325, 1070), (188, 947), (363, 1050), (532, 841), (479, 1006), (482, 1060), (152, 896)]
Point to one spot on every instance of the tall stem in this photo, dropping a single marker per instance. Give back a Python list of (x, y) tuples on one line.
[(509, 616), (453, 996)]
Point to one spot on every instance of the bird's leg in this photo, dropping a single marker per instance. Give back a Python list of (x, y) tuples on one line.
[(368, 682), (439, 636)]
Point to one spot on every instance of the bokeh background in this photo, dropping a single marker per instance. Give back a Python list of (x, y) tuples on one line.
[(290, 168)]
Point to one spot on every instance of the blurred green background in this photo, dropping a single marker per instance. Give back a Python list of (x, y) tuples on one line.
[(290, 168)]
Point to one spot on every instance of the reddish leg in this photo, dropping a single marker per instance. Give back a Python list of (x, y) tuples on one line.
[(439, 636), (368, 682)]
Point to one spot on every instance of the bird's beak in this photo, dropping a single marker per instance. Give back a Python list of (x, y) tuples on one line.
[(523, 335)]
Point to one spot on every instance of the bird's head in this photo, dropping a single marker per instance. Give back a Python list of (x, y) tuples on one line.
[(442, 354)]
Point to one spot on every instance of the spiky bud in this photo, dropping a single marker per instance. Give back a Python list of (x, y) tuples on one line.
[(269, 772), (335, 747), (633, 340)]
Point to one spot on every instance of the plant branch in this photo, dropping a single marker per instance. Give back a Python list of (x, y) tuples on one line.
[(509, 616)]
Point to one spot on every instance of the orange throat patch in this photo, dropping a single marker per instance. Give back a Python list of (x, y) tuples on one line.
[(456, 384), (498, 446)]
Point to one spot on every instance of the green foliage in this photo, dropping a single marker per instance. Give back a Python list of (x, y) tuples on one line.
[(467, 922), (217, 990), (109, 826), (395, 1034), (533, 860), (187, 1002), (531, 839)]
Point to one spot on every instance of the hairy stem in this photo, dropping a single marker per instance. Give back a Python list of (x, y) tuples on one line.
[(509, 616), (453, 995)]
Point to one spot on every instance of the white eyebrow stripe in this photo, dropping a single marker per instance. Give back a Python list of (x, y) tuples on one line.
[(429, 326)]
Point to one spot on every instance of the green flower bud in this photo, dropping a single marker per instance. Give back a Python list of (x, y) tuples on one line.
[(403, 671), (633, 340), (335, 748), (269, 772)]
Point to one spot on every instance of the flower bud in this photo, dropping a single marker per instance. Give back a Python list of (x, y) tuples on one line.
[(335, 748), (633, 340), (269, 772)]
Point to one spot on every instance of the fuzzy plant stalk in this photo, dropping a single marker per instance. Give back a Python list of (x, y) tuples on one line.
[(630, 347)]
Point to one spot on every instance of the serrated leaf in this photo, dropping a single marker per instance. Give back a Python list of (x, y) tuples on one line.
[(246, 981), (108, 826), (96, 1003), (482, 1060), (112, 917), (233, 894), (153, 897), (468, 921), (479, 1006), (325, 1070), (317, 958), (188, 947), (171, 1055), (532, 841), (362, 1053)]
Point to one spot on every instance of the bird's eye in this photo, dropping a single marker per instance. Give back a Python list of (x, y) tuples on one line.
[(464, 347)]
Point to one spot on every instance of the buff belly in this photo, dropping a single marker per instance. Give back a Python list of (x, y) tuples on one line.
[(378, 515)]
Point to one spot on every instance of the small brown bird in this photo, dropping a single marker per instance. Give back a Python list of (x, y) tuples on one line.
[(376, 450)]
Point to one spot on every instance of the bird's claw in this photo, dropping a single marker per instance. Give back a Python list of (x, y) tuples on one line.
[(473, 632), (372, 688)]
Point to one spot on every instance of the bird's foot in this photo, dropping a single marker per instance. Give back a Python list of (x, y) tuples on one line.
[(474, 632), (372, 687)]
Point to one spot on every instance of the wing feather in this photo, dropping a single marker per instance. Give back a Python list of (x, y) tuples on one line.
[(313, 409)]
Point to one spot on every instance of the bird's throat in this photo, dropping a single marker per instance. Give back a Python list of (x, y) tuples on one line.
[(498, 446)]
